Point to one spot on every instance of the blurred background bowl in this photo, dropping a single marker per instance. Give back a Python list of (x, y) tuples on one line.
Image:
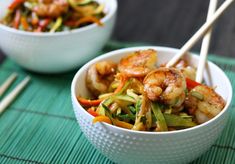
[(127, 146), (60, 51)]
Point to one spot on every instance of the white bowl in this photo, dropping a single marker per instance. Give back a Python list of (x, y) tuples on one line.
[(127, 146), (60, 51)]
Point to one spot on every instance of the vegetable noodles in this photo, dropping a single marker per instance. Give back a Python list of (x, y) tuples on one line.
[(136, 94), (52, 15)]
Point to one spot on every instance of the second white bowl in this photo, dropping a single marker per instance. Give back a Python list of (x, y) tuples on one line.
[(56, 52)]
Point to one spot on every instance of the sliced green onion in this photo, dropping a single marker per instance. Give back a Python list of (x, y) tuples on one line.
[(159, 116), (197, 95)]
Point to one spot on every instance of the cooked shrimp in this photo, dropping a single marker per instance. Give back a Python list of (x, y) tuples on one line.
[(139, 63), (99, 76), (51, 8), (204, 102), (188, 71), (167, 85)]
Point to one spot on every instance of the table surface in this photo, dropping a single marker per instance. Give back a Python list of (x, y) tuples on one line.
[(166, 23), (171, 23), (39, 130)]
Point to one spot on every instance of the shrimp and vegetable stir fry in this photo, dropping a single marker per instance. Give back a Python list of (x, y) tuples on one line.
[(139, 95), (52, 15)]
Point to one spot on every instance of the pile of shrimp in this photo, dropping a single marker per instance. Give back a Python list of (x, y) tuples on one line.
[(136, 94), (52, 15)]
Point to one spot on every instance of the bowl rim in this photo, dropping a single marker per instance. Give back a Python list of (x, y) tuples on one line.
[(107, 17), (161, 48)]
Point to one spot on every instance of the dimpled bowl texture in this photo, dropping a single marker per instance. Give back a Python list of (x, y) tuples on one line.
[(56, 52), (127, 146)]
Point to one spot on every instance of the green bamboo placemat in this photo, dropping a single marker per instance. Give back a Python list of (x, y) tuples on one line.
[(40, 126)]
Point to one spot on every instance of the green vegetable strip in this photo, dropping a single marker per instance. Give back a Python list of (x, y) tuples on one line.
[(107, 113), (72, 3), (57, 24), (137, 106), (84, 2), (132, 109), (126, 117), (124, 98), (178, 121), (159, 116), (99, 9), (100, 110), (124, 87), (131, 93)]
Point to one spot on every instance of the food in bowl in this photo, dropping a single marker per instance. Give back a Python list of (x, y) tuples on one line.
[(52, 15), (136, 94), (131, 146), (56, 52)]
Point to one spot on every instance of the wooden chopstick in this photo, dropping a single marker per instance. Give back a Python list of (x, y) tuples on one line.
[(205, 43), (7, 83), (204, 28), (13, 94)]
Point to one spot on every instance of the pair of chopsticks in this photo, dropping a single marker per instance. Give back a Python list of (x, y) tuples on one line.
[(212, 16), (6, 101)]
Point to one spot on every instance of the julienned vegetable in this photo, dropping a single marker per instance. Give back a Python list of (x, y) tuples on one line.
[(136, 94), (159, 117), (52, 15)]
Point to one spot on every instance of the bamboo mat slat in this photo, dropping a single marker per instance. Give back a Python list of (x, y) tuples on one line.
[(40, 126)]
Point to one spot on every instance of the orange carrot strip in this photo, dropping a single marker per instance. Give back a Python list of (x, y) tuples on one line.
[(92, 112), (102, 119), (90, 19), (15, 4), (123, 81), (24, 23), (87, 102), (16, 21), (87, 19), (122, 124), (34, 20), (116, 122)]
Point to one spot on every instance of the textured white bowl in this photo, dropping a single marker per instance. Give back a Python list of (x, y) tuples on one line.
[(126, 146), (58, 52)]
